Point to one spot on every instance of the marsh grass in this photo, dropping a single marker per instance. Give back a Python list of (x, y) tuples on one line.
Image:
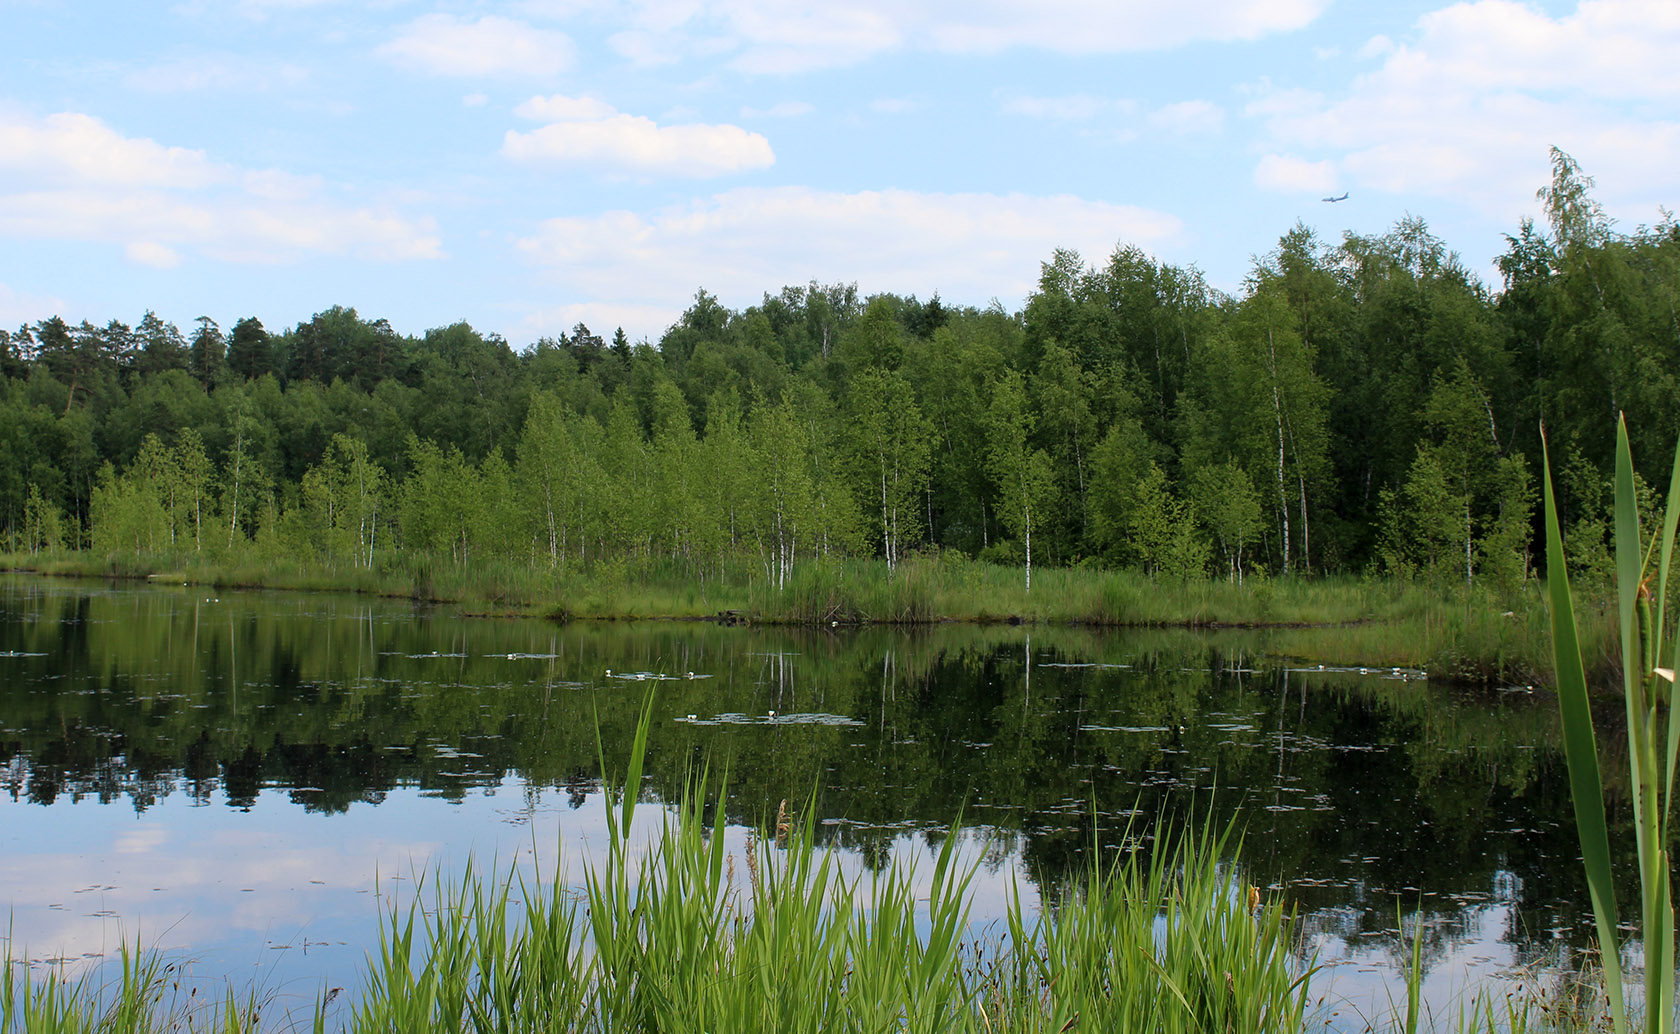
[(1460, 633), (681, 935), (145, 995)]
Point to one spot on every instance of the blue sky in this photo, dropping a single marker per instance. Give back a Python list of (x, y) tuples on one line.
[(529, 165)]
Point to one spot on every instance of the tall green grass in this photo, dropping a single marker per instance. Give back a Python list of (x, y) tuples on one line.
[(683, 936), (1647, 638), (144, 996)]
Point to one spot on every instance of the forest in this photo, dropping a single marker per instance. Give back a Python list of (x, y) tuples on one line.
[(1367, 405)]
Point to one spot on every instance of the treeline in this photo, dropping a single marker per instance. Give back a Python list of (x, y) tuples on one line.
[(1363, 405)]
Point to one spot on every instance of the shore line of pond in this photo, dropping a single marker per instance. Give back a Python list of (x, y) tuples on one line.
[(1457, 633)]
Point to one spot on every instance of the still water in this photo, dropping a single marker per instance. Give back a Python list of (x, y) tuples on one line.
[(248, 780)]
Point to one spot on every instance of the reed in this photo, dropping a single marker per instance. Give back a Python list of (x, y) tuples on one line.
[(1647, 638), (144, 996), (674, 938)]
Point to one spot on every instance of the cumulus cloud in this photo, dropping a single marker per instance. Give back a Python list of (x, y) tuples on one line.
[(737, 244), (782, 37), (442, 44), (76, 148), (71, 177), (593, 135), (559, 108), (1473, 101)]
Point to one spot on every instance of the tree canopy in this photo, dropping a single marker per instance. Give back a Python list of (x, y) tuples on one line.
[(1367, 404)]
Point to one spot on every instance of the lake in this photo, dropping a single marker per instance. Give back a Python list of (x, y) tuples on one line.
[(248, 780)]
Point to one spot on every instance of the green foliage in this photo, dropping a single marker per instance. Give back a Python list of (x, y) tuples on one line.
[(1225, 499), (1164, 533), (890, 447), (43, 525), (1370, 396), (1646, 635), (1022, 475)]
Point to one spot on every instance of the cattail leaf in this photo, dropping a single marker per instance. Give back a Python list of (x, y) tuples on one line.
[(1581, 746)]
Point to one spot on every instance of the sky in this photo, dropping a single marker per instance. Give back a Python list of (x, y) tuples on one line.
[(527, 166)]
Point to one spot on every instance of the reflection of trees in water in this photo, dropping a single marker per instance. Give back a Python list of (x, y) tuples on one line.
[(1343, 788)]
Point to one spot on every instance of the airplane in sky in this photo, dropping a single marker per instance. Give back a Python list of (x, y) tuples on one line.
[(1333, 200)]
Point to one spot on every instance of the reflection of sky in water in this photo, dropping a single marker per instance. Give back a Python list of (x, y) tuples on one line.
[(278, 899), (1359, 977)]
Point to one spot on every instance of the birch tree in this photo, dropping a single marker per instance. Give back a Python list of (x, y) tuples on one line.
[(891, 456), (1023, 475)]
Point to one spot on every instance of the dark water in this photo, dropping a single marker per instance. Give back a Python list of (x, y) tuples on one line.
[(244, 778)]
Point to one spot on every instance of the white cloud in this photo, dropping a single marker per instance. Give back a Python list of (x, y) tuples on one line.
[(645, 48), (593, 135), (1188, 118), (787, 38), (442, 44), (153, 254), (740, 243), (791, 36), (1291, 175), (1099, 27), (783, 109), (75, 148), (227, 227), (560, 108), (1471, 104), (475, 100), (275, 185), (71, 177), (1620, 49)]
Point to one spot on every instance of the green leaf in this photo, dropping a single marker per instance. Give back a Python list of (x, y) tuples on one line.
[(1581, 747), (1671, 523), (1629, 571)]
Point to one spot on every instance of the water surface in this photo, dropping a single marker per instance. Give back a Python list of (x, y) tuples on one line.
[(243, 778)]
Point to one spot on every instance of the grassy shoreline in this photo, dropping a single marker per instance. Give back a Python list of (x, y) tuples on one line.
[(1453, 633)]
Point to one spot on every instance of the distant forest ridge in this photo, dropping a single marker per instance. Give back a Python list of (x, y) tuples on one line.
[(1363, 405)]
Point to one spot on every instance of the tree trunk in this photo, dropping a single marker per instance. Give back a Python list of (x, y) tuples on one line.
[(1277, 410)]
